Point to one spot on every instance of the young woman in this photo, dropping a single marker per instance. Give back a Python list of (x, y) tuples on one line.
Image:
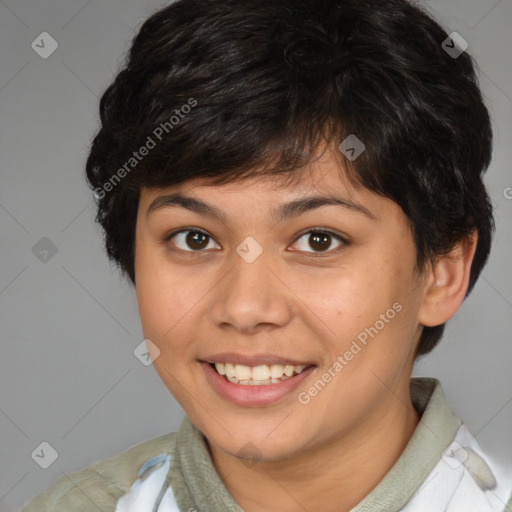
[(295, 190)]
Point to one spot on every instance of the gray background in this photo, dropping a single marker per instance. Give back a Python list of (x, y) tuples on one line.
[(69, 325)]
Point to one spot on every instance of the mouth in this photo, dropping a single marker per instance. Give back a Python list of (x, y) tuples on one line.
[(261, 375), (256, 380)]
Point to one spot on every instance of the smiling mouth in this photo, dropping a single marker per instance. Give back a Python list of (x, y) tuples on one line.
[(261, 375)]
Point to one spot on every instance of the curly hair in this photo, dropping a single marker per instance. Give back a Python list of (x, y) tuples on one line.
[(219, 88)]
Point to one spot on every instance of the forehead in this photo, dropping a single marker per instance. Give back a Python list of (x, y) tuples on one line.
[(324, 176), (270, 199)]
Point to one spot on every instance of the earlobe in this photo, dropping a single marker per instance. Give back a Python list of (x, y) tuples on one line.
[(447, 282)]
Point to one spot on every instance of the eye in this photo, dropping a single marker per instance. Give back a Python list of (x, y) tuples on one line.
[(192, 240), (320, 241)]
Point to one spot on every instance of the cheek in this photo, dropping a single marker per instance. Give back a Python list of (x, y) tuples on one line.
[(158, 296), (346, 299), (163, 306), (164, 303), (366, 310), (169, 299)]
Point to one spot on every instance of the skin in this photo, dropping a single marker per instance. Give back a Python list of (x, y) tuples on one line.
[(298, 302)]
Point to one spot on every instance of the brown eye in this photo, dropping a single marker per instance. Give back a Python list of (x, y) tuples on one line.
[(319, 241), (192, 240), (196, 240)]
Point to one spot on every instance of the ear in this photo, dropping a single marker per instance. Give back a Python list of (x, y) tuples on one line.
[(447, 281)]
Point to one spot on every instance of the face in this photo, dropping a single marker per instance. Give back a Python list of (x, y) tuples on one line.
[(280, 321)]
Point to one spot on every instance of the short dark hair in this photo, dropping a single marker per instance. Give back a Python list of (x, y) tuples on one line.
[(222, 89)]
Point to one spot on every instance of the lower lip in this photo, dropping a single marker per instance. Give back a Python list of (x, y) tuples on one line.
[(254, 396)]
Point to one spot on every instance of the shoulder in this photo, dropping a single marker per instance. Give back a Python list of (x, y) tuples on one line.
[(465, 478), (100, 485)]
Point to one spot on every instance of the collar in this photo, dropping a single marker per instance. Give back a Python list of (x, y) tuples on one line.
[(197, 485), (434, 433)]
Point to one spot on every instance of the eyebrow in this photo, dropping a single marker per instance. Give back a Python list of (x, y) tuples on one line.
[(284, 211)]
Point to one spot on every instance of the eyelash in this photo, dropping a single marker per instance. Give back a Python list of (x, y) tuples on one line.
[(319, 230)]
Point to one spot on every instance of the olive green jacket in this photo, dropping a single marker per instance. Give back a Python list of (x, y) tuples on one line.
[(197, 486)]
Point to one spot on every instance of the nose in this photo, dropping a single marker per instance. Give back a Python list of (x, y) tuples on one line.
[(251, 298)]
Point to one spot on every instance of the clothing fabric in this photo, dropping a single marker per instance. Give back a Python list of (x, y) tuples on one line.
[(150, 491), (441, 469)]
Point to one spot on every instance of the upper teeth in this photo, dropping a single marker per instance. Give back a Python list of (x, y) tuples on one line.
[(264, 374)]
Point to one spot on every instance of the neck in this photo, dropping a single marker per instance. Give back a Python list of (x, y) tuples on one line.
[(333, 477)]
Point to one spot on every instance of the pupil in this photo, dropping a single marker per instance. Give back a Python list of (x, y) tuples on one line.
[(322, 240), (195, 239)]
